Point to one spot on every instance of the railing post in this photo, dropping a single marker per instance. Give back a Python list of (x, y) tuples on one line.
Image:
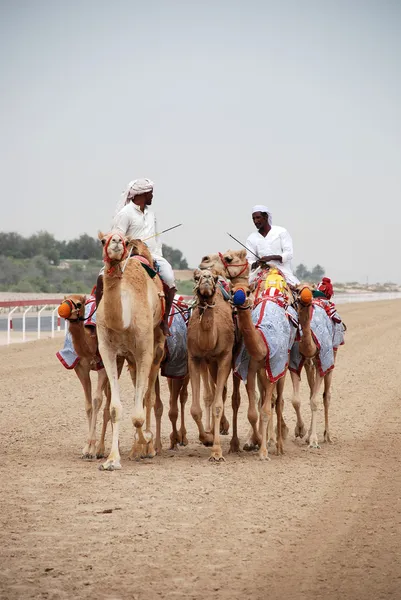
[(10, 323), (39, 313), (23, 322), (58, 321)]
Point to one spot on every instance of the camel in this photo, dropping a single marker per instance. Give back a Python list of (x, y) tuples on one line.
[(128, 320), (231, 265), (268, 351), (210, 342), (316, 374), (85, 343)]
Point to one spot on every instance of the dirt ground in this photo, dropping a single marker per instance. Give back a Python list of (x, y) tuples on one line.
[(313, 523)]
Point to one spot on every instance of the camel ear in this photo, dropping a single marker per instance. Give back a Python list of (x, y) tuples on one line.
[(205, 259), (197, 274), (102, 237)]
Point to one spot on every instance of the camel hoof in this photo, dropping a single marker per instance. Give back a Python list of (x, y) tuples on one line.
[(299, 431), (110, 466), (264, 457), (314, 446), (327, 437), (100, 454), (234, 447), (87, 456), (217, 459), (207, 439), (250, 447)]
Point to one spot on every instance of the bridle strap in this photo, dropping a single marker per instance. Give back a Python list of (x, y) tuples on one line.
[(227, 267), (106, 258)]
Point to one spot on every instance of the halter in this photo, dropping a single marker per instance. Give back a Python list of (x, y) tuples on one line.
[(227, 267), (72, 304), (106, 257)]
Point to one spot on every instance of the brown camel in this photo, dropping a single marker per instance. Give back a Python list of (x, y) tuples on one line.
[(84, 339), (210, 341), (309, 350), (231, 265), (258, 351), (128, 320)]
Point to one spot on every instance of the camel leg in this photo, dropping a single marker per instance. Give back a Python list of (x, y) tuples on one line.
[(312, 438), (221, 371), (96, 406), (224, 422), (83, 374), (149, 399), (235, 402), (279, 412), (182, 434), (252, 442), (100, 451), (158, 408), (208, 393), (110, 363), (194, 366), (266, 416), (252, 412), (296, 403), (310, 373), (326, 402), (271, 432), (174, 387)]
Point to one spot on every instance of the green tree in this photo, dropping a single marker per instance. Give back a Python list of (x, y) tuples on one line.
[(316, 274), (174, 257), (302, 272)]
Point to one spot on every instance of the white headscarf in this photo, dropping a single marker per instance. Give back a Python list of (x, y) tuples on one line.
[(263, 209), (134, 188)]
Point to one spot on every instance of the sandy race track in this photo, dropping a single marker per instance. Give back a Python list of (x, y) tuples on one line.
[(313, 523)]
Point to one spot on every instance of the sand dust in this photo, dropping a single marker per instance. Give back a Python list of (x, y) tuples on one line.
[(323, 523)]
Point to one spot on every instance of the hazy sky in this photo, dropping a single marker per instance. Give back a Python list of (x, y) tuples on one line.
[(224, 104)]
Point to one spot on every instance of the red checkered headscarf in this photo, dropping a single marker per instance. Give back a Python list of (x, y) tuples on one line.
[(326, 287)]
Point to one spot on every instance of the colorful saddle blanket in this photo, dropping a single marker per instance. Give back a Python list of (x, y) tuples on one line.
[(67, 356), (175, 363), (322, 332), (278, 328), (337, 324)]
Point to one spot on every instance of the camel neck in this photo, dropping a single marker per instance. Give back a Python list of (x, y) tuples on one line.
[(85, 344), (252, 337)]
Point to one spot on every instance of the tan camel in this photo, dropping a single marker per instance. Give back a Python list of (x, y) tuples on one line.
[(128, 320), (309, 350), (231, 265), (85, 344), (258, 351), (210, 341)]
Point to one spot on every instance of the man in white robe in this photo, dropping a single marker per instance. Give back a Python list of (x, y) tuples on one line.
[(270, 244)]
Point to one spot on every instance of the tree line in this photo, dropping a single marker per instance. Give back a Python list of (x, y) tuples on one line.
[(313, 276), (85, 247), (40, 263)]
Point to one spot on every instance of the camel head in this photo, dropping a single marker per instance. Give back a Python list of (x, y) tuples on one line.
[(242, 296), (304, 295), (140, 248), (231, 264), (114, 247), (72, 308), (205, 282)]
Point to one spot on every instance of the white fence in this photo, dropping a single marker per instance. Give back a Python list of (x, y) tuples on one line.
[(27, 306)]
